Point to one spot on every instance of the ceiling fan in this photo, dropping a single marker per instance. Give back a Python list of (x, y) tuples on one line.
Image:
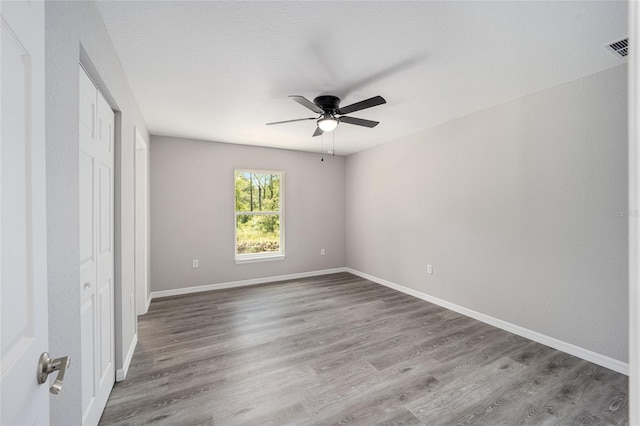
[(329, 109)]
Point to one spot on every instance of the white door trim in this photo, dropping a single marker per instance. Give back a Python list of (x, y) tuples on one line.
[(141, 206), (634, 214)]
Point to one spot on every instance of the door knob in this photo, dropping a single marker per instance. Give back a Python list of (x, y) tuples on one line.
[(47, 366)]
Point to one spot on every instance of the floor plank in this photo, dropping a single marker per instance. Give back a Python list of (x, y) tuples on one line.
[(339, 349)]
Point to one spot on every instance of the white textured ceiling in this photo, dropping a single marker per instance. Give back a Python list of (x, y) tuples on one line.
[(220, 70)]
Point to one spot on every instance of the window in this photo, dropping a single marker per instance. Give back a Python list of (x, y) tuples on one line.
[(259, 215)]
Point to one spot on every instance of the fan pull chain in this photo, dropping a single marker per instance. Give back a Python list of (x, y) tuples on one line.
[(322, 147), (333, 148)]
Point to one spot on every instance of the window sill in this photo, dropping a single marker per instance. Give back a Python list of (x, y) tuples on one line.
[(259, 258)]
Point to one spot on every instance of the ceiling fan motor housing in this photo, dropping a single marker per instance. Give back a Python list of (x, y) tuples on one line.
[(327, 103)]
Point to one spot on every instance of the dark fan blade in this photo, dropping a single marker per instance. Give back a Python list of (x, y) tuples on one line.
[(307, 103), (318, 132), (367, 103), (358, 121), (291, 121)]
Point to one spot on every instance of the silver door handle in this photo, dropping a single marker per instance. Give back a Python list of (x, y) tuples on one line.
[(47, 366)]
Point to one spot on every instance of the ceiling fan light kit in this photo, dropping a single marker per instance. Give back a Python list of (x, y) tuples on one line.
[(328, 107), (327, 123)]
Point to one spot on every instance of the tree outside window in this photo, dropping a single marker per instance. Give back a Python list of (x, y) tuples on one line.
[(258, 209)]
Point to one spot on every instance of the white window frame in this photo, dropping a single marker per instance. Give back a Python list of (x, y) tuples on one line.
[(265, 256)]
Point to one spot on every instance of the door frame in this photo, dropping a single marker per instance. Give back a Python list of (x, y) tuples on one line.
[(141, 205), (634, 214), (126, 327)]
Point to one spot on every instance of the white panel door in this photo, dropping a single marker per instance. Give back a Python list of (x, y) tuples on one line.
[(23, 268), (96, 248)]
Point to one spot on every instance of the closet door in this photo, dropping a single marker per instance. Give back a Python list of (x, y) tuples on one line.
[(96, 248)]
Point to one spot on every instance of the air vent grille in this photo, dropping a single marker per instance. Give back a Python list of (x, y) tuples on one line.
[(619, 48)]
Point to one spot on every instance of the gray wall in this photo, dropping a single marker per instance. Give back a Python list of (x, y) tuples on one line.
[(75, 32), (520, 209), (192, 205)]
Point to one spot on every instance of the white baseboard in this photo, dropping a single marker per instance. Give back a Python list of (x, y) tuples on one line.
[(596, 358), (149, 298), (243, 283), (121, 373)]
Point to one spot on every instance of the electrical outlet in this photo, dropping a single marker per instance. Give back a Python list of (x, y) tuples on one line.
[(429, 269), (321, 252), (195, 263)]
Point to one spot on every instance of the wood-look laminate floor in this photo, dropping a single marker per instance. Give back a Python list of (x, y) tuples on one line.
[(339, 349)]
